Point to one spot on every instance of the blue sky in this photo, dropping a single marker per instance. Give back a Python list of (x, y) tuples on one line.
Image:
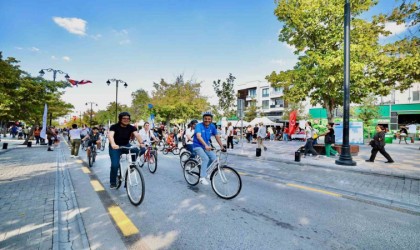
[(143, 41)]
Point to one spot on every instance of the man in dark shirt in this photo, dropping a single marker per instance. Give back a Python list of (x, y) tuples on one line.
[(119, 135)]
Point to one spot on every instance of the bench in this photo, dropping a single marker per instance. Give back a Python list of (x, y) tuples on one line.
[(320, 149)]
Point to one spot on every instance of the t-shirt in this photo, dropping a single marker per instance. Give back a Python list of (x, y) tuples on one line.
[(190, 133), (146, 136), (75, 133), (122, 134), (206, 133), (230, 131)]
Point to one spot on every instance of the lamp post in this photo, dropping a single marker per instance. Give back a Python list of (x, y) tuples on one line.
[(345, 156), (91, 103), (55, 71), (117, 81)]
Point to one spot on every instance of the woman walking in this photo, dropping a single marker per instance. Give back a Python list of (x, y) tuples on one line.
[(330, 140), (309, 147), (378, 144)]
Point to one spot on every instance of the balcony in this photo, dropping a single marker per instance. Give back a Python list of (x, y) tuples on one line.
[(277, 106), (276, 93), (251, 97)]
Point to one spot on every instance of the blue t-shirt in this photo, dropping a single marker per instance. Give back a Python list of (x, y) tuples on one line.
[(206, 134)]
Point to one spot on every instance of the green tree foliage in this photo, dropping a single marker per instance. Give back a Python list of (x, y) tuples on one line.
[(367, 111), (139, 109), (102, 117), (251, 111), (179, 100), (315, 29), (226, 94), (23, 97), (300, 114)]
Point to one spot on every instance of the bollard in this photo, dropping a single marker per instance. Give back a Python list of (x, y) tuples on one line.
[(297, 156), (29, 144), (5, 144), (258, 152)]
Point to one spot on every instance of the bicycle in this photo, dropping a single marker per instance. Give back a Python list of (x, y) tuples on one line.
[(225, 181), (150, 157), (92, 155), (84, 145), (174, 149), (132, 176), (103, 142)]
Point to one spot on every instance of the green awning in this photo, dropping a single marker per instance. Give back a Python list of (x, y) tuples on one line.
[(408, 112)]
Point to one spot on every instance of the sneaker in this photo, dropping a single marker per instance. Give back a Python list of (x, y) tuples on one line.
[(368, 161), (389, 162), (112, 186), (50, 149), (204, 181), (72, 156)]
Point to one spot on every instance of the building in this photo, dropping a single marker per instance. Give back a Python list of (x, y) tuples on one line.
[(269, 100)]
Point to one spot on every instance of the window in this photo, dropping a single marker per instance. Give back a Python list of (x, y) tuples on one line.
[(252, 92), (277, 89), (265, 104), (265, 93), (416, 95)]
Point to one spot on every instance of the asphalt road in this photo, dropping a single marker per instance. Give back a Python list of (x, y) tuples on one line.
[(271, 212)]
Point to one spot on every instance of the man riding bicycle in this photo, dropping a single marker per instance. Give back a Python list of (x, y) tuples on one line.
[(202, 145), (147, 134), (94, 137), (119, 135)]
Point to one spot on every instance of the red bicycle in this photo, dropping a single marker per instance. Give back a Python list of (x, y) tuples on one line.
[(171, 148), (150, 157)]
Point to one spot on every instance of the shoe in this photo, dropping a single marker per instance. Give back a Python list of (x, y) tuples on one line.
[(204, 181), (317, 157), (112, 186), (368, 161), (72, 156), (50, 149), (389, 162), (265, 148)]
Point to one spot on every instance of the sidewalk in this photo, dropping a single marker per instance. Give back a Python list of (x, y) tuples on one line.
[(406, 157)]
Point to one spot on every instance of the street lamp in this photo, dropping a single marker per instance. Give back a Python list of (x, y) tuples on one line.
[(345, 156), (91, 103), (116, 94), (55, 71)]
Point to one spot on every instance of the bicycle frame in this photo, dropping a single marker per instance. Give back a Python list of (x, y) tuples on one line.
[(128, 157)]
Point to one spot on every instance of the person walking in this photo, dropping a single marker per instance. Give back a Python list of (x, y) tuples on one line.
[(329, 140), (261, 134), (75, 140), (378, 144), (230, 135), (50, 135), (37, 134), (309, 146), (249, 133)]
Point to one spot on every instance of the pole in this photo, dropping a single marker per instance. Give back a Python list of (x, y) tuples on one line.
[(80, 118), (345, 156), (116, 103), (90, 122)]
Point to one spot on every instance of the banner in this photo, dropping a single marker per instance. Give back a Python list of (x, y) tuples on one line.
[(44, 123), (355, 133), (292, 122)]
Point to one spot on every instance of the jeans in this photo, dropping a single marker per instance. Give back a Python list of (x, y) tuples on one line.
[(285, 137), (309, 148), (115, 155), (191, 149), (207, 157), (37, 139), (230, 141)]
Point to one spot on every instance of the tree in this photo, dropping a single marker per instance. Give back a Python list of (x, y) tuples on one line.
[(180, 100), (368, 111), (299, 107), (315, 29), (139, 109), (226, 94), (251, 111)]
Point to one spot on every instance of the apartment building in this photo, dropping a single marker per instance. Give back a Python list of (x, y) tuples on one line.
[(269, 100)]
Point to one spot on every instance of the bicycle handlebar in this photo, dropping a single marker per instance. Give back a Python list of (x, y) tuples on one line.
[(129, 148)]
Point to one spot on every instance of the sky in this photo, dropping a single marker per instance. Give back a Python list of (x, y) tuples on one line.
[(143, 41)]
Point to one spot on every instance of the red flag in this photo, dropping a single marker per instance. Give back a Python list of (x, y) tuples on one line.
[(292, 122), (74, 82)]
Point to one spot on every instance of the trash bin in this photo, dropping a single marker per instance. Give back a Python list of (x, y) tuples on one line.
[(389, 138), (5, 144), (258, 152), (29, 144), (297, 155)]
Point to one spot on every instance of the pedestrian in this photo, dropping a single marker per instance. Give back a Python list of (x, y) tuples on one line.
[(75, 140), (285, 133), (271, 131), (37, 134), (309, 147), (50, 136), (261, 134), (254, 135), (330, 140), (403, 134), (249, 132), (378, 144), (230, 135)]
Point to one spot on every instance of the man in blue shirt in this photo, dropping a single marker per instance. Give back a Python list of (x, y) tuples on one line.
[(202, 146)]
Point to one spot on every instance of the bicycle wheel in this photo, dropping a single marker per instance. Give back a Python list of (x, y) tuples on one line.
[(226, 183), (93, 155), (184, 157), (165, 151), (192, 172), (140, 160), (119, 177), (135, 185), (175, 151), (90, 158), (103, 145), (182, 150), (152, 163), (161, 145)]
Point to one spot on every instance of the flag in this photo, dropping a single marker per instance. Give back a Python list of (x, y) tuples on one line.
[(292, 122), (44, 123), (76, 83)]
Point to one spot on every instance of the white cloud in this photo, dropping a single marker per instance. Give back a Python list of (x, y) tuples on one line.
[(395, 28), (290, 47), (96, 37), (126, 41), (122, 32), (73, 25), (66, 58), (53, 58), (19, 48), (34, 49)]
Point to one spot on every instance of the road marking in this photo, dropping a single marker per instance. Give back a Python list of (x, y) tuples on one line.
[(86, 170), (97, 186), (314, 189), (123, 222)]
